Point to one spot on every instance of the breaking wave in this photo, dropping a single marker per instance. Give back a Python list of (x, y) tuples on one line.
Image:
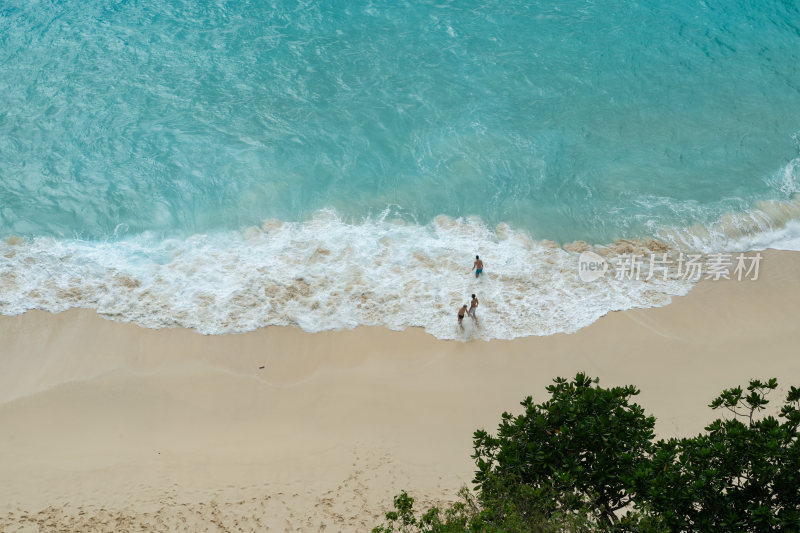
[(324, 274)]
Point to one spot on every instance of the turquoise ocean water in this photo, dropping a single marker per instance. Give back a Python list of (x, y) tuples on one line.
[(231, 165)]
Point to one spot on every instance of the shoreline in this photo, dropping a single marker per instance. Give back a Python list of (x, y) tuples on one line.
[(113, 424), (330, 278)]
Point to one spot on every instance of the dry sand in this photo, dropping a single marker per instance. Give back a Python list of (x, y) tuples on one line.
[(110, 427)]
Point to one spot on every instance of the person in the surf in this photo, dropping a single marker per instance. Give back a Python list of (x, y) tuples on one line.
[(473, 308), (477, 266), (461, 313)]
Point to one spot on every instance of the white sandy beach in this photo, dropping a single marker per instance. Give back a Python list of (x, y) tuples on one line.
[(111, 427)]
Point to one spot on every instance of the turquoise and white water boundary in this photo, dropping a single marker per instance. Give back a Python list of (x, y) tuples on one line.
[(325, 274)]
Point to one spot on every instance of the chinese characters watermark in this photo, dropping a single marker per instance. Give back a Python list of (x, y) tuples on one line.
[(691, 267)]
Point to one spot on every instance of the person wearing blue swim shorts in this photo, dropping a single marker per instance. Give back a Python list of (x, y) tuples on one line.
[(477, 266)]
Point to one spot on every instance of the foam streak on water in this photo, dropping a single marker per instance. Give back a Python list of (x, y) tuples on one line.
[(767, 224), (321, 275)]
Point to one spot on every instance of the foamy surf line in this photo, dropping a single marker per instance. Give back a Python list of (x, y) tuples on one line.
[(769, 224), (323, 274)]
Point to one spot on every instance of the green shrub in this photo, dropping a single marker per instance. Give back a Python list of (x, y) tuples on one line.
[(743, 474), (585, 461)]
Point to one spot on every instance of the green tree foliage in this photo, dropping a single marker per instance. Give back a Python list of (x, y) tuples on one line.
[(585, 460), (582, 447), (467, 516), (743, 474)]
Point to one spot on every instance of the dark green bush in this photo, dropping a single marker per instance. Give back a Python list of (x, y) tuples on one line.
[(586, 460)]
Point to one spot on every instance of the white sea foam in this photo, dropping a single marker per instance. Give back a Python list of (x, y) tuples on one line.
[(770, 224), (782, 238), (323, 274)]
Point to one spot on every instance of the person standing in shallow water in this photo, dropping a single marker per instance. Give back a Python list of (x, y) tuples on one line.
[(477, 266), (473, 308), (461, 313)]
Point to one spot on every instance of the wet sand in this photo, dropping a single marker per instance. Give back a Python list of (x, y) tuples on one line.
[(111, 427)]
